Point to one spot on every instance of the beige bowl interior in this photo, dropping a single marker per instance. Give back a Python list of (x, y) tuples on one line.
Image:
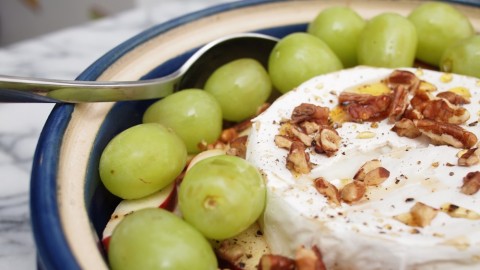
[(87, 118)]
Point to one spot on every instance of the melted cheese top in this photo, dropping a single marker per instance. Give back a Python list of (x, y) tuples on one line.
[(365, 235)]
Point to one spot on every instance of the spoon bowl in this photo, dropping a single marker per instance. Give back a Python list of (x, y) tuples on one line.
[(192, 74)]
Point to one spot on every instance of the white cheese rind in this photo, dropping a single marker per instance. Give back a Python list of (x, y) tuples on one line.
[(365, 235)]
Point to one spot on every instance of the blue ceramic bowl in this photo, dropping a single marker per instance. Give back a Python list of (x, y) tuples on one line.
[(69, 204)]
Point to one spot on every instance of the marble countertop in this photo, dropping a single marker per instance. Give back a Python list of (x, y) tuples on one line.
[(59, 55)]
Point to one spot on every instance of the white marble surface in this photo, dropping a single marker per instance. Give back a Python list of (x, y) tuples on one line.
[(59, 55)]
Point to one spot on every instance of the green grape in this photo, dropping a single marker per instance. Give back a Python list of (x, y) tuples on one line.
[(340, 28), (438, 26), (142, 160), (388, 40), (463, 57), (222, 196), (193, 114), (154, 238), (240, 88), (299, 57)]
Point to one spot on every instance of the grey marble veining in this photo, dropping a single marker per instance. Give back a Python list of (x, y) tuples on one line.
[(59, 55)]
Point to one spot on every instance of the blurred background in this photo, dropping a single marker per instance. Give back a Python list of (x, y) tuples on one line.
[(23, 19)]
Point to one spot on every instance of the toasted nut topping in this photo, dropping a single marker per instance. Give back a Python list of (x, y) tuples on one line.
[(471, 183), (298, 160), (238, 147), (228, 135), (367, 167), (399, 103), (276, 262), (309, 259), (376, 176), (420, 215), (403, 78), (353, 192), (412, 114), (327, 141), (453, 98), (310, 127), (328, 190), (420, 99), (406, 128), (364, 107), (446, 134), (456, 211), (310, 112), (442, 110), (283, 141), (469, 158), (304, 138)]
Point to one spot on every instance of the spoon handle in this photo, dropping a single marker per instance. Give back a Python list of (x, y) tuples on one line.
[(20, 89)]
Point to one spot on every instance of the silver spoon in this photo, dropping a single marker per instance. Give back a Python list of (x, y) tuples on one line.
[(193, 73)]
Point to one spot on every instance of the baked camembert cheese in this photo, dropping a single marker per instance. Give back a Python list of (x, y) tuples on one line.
[(377, 168)]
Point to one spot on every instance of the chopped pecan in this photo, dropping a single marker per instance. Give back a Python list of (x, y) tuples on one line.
[(366, 168), (471, 183), (406, 128), (327, 141), (304, 138), (228, 134), (399, 103), (420, 99), (298, 160), (238, 147), (420, 215), (283, 141), (403, 78), (328, 190), (376, 176), (469, 158), (446, 134), (442, 110), (412, 114), (309, 259), (365, 107), (276, 262), (453, 98), (310, 112), (353, 191), (310, 127)]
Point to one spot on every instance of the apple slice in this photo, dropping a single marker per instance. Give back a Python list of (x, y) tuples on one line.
[(166, 198)]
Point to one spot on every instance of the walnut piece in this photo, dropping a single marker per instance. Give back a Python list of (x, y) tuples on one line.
[(441, 110), (406, 128), (420, 215), (328, 190), (446, 134), (353, 192), (283, 141), (469, 158), (309, 259), (298, 161), (471, 183)]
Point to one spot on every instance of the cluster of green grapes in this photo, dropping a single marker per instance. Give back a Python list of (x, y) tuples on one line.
[(223, 195), (434, 33)]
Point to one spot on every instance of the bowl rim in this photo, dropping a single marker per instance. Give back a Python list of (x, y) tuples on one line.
[(52, 246)]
